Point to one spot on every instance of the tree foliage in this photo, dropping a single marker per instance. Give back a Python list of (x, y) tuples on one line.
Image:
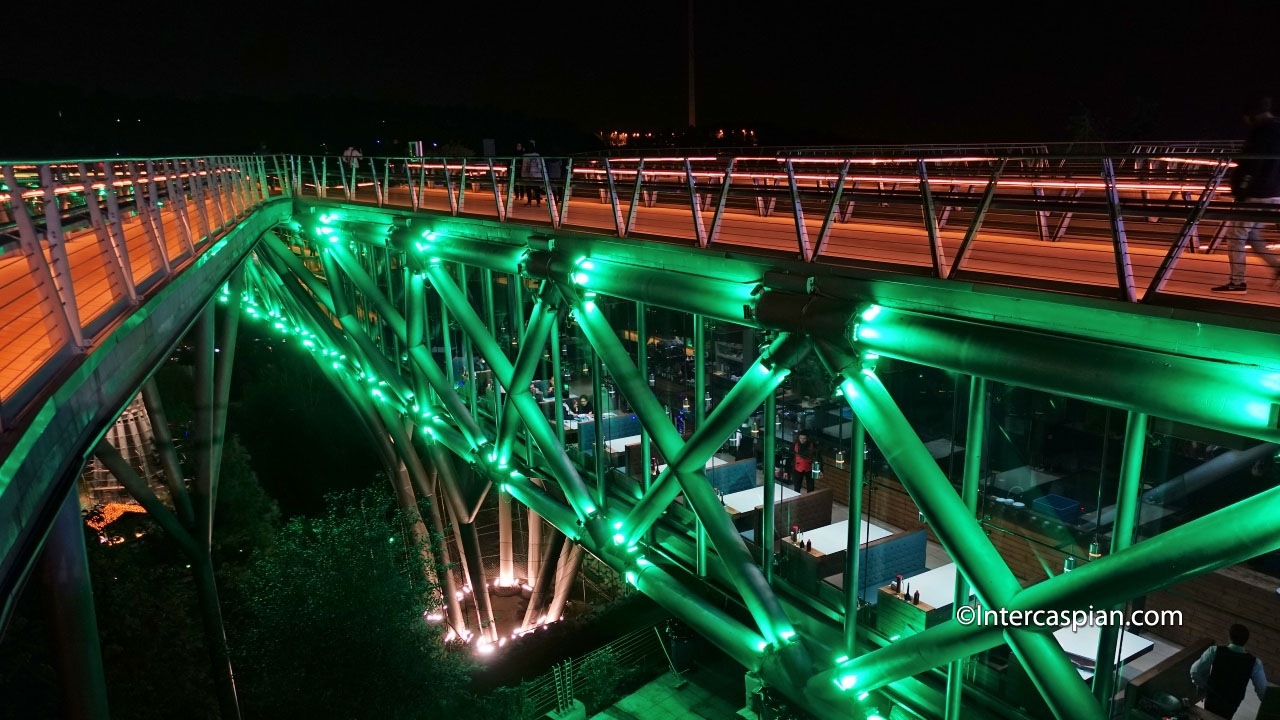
[(329, 622)]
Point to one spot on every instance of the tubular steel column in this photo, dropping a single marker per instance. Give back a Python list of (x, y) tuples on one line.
[(457, 617), (544, 584), (206, 500), (204, 391), (533, 555), (741, 568), (853, 556), (565, 574), (600, 443), (62, 573), (557, 381), (699, 417), (469, 541), (1127, 509), (768, 460), (506, 559), (975, 432), (1045, 662), (163, 440), (226, 350), (216, 638), (642, 367)]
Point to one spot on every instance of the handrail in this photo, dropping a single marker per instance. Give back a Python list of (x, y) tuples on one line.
[(1171, 202), (89, 239), (1029, 214)]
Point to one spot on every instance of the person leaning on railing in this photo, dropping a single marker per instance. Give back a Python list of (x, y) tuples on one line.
[(1255, 180)]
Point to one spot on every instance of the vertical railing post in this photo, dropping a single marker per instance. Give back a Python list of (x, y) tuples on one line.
[(635, 199), (200, 194), (178, 198), (1124, 266), (108, 244), (38, 266), (613, 198), (979, 214), (936, 252), (797, 213), (837, 194), (699, 229), (716, 219), (498, 207)]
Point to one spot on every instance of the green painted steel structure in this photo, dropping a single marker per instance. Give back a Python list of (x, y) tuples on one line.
[(304, 259)]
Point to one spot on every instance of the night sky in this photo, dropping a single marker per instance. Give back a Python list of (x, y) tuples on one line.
[(207, 77)]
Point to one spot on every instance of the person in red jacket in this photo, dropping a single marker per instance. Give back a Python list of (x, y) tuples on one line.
[(804, 451)]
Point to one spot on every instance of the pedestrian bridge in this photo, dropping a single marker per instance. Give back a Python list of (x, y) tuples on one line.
[(1083, 276)]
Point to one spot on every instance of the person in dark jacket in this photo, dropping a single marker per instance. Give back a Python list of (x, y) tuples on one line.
[(1224, 672), (1256, 181), (803, 452)]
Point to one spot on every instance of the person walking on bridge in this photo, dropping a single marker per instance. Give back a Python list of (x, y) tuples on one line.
[(351, 157), (1255, 180)]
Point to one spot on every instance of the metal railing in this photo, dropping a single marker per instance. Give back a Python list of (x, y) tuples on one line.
[(1140, 226), (83, 242), (556, 689)]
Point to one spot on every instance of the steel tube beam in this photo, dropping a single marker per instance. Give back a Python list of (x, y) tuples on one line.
[(853, 555), (700, 410), (456, 616), (216, 638), (468, 539), (562, 468), (541, 321), (642, 367), (115, 463), (1196, 478), (544, 584), (1045, 662), (599, 442), (168, 453), (62, 573), (1230, 397), (533, 553), (757, 384), (769, 459), (226, 351), (419, 354), (975, 438), (204, 392), (1127, 507), (506, 556), (747, 577), (1227, 537), (566, 571)]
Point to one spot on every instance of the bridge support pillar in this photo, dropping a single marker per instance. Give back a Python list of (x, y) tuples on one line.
[(568, 570), (63, 579), (544, 583)]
